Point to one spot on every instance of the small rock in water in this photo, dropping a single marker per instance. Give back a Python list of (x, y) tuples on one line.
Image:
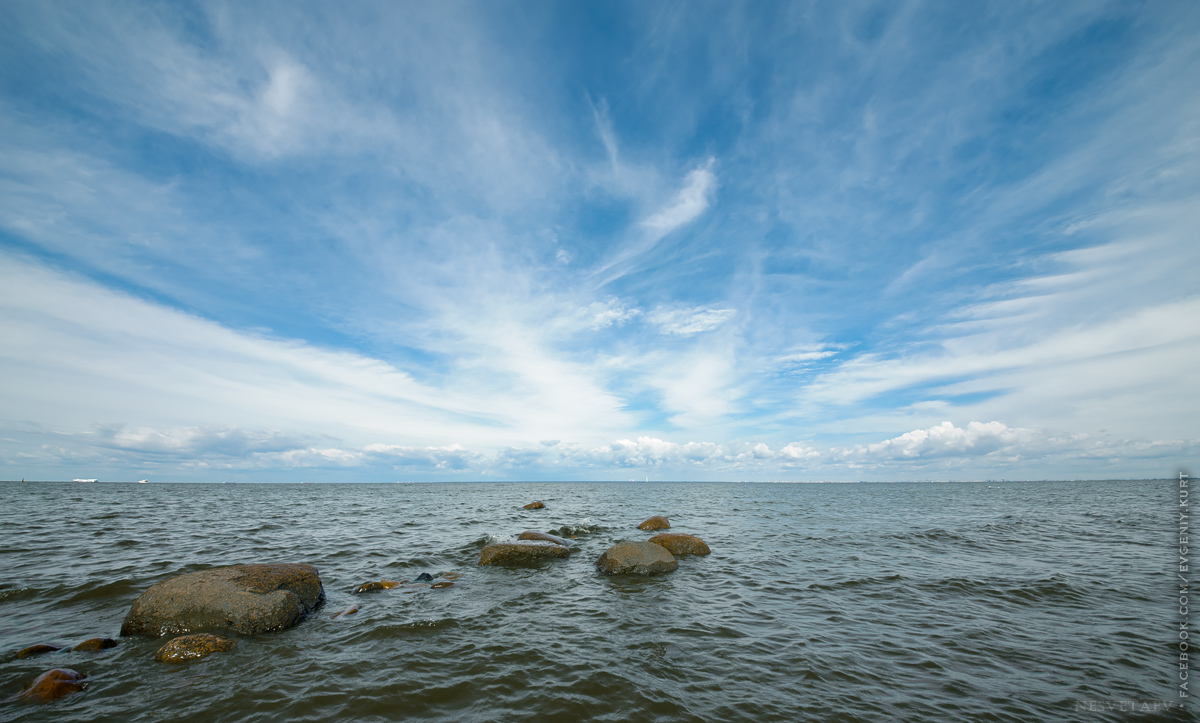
[(449, 575), (343, 613), (193, 647), (424, 577), (442, 584), (54, 684), (534, 535), (658, 522), (636, 558), (678, 543), (516, 553), (373, 586), (39, 649), (96, 644), (534, 506)]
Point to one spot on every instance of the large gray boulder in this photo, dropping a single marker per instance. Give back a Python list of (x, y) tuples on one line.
[(246, 599), (636, 558)]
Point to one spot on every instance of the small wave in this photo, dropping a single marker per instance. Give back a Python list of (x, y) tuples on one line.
[(583, 527), (855, 583), (937, 533), (490, 538), (936, 536), (16, 592), (1051, 589), (103, 591), (387, 631)]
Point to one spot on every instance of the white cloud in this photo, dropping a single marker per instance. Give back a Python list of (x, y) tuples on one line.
[(688, 321), (611, 312), (974, 451), (183, 442), (684, 207), (450, 457), (1084, 345), (806, 356), (698, 386), (691, 201), (76, 353), (947, 440)]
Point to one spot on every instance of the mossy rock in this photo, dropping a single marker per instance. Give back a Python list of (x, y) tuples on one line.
[(678, 543), (520, 553), (193, 647)]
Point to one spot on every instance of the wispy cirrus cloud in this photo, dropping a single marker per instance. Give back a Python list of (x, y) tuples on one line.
[(688, 321), (687, 205)]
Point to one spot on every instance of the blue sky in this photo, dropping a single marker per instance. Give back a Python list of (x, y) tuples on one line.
[(569, 240)]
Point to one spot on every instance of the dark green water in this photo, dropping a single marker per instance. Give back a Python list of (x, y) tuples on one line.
[(868, 602)]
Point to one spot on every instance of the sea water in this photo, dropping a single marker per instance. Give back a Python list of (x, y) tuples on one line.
[(1022, 601)]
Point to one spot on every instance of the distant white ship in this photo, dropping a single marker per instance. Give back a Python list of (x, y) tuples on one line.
[(83, 480), (143, 481)]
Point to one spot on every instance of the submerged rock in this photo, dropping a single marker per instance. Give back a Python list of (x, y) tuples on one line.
[(343, 613), (516, 553), (96, 644), (658, 522), (678, 543), (534, 506), (636, 558), (39, 649), (248, 599), (193, 647), (441, 584), (54, 684), (535, 535), (424, 577), (373, 586)]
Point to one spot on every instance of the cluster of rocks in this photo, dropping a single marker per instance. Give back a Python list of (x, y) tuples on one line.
[(87, 645), (57, 682), (530, 546), (654, 556), (424, 581), (196, 608)]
